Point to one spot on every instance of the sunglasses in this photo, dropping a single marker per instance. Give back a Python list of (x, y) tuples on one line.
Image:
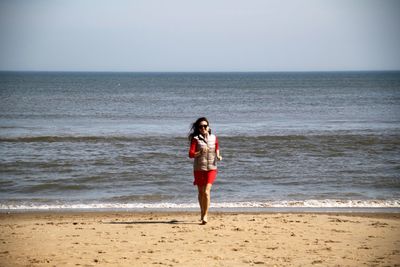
[(203, 126)]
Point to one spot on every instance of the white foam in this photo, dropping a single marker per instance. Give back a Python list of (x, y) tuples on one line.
[(327, 203), (312, 203)]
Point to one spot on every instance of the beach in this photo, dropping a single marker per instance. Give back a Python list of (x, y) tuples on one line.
[(178, 239), (95, 169)]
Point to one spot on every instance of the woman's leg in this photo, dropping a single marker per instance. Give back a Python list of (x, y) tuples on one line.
[(201, 199), (206, 201)]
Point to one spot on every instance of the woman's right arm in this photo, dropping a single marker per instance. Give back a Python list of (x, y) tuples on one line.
[(192, 150)]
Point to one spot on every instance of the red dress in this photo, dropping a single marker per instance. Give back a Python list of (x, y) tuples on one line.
[(202, 178)]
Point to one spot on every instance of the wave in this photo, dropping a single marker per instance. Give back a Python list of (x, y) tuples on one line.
[(61, 139), (326, 203), (360, 139), (53, 187)]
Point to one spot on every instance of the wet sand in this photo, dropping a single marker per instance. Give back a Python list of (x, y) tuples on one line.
[(178, 239)]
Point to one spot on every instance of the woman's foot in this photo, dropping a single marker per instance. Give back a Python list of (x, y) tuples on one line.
[(204, 220)]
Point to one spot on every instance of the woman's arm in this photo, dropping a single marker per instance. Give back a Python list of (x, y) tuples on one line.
[(219, 157), (217, 149), (192, 150)]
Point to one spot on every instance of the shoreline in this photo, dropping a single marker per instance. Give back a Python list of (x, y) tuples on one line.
[(169, 238), (294, 210), (350, 205)]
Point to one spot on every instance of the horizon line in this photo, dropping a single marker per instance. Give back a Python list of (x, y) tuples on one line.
[(260, 71)]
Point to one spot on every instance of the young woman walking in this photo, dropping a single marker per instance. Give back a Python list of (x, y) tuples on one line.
[(204, 149)]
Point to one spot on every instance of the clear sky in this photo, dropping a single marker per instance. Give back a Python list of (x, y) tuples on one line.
[(206, 35)]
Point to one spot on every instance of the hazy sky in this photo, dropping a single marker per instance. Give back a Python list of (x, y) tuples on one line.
[(206, 35)]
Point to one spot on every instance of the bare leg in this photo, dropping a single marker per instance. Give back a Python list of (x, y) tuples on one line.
[(201, 201), (206, 202)]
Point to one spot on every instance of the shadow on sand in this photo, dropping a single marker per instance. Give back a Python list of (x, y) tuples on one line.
[(153, 222)]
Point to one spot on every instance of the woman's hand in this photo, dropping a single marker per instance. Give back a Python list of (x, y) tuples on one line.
[(218, 155)]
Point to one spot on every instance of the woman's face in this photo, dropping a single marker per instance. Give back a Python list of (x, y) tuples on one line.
[(203, 127)]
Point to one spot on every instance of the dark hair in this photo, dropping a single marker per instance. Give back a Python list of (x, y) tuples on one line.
[(194, 130)]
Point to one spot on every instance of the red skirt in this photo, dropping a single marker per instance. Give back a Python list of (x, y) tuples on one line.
[(203, 178)]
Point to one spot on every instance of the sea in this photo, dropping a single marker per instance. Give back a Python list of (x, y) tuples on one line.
[(118, 141)]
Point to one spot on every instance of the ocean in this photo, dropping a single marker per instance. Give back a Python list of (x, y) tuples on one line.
[(316, 140)]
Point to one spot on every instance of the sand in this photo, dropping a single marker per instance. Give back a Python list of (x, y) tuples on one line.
[(177, 239)]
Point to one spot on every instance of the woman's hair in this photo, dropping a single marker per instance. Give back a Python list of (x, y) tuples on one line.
[(194, 130)]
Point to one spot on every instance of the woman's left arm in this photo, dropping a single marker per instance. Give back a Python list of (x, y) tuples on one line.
[(217, 149)]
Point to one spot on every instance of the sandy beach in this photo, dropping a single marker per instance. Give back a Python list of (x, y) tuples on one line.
[(177, 239)]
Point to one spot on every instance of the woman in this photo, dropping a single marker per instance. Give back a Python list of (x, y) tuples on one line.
[(205, 151)]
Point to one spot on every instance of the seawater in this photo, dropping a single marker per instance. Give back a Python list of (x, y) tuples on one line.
[(118, 140)]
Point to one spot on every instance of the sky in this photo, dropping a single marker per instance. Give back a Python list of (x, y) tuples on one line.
[(206, 35)]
